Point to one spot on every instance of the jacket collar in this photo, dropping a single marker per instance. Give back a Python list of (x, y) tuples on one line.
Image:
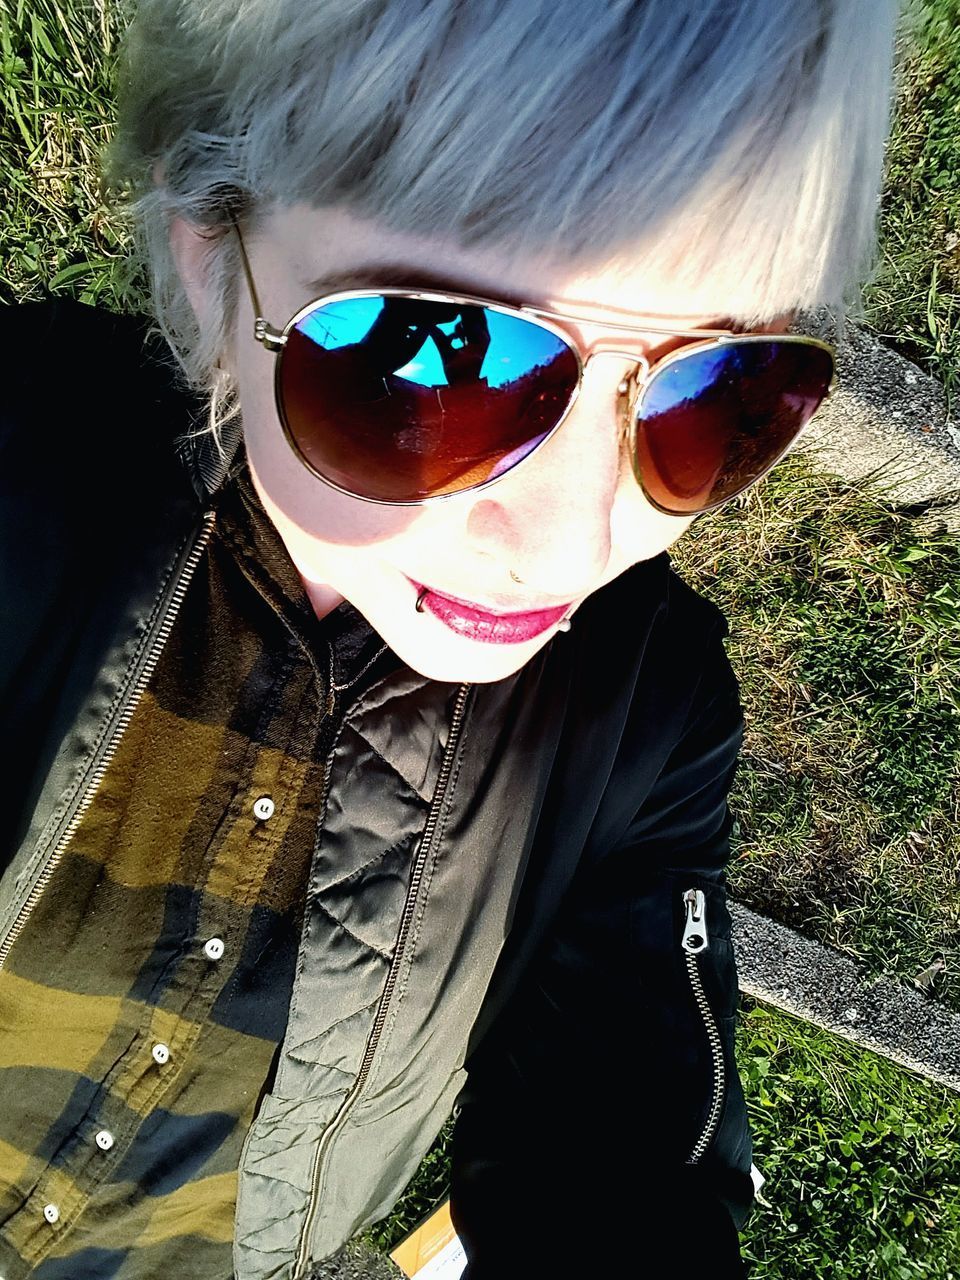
[(219, 476), (208, 463), (262, 556)]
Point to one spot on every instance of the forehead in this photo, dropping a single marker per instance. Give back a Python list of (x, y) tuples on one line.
[(314, 250)]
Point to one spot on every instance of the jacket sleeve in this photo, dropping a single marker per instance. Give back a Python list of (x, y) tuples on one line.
[(602, 1129)]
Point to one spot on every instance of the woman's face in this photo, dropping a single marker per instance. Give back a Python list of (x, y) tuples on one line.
[(566, 521)]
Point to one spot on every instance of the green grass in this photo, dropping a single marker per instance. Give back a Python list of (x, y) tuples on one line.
[(845, 635), (914, 300), (56, 112), (862, 1160)]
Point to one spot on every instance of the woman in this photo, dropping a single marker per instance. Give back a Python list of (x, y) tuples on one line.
[(374, 764)]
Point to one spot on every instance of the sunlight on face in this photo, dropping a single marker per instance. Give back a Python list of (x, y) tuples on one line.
[(566, 521)]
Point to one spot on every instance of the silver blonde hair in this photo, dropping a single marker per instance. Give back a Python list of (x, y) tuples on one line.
[(741, 139)]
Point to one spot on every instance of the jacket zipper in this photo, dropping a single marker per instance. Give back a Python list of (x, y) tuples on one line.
[(160, 629), (696, 939), (409, 906)]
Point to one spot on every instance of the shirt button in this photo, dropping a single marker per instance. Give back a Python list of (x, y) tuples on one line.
[(104, 1139), (161, 1054), (263, 808), (51, 1213), (213, 948)]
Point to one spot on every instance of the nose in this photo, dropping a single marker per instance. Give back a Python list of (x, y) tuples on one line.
[(549, 519)]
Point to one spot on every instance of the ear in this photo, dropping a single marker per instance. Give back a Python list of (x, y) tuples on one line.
[(191, 250)]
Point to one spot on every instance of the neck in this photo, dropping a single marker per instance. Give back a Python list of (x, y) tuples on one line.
[(323, 598)]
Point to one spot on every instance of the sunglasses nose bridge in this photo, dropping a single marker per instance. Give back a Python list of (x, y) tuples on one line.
[(629, 386)]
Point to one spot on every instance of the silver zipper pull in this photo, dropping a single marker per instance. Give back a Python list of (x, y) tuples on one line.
[(695, 931)]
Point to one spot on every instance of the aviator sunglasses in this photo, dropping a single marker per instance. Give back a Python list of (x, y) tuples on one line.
[(403, 397)]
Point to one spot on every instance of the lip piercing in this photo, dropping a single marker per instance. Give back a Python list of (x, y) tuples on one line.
[(420, 600)]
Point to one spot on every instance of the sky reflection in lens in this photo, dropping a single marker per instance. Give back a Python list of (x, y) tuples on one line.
[(515, 345)]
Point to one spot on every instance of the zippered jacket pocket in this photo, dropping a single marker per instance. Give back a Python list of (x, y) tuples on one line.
[(695, 941), (723, 1143), (601, 1081)]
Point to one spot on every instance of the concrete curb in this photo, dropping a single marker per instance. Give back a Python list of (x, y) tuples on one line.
[(828, 989), (888, 419)]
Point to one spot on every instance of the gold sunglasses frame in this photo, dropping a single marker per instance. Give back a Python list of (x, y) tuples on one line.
[(630, 391)]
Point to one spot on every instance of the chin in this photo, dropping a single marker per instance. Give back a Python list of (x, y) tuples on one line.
[(461, 661)]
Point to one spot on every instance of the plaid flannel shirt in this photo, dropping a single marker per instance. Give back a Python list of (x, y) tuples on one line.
[(142, 1006)]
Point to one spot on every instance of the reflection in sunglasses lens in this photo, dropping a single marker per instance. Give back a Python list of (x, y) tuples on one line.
[(712, 421), (398, 398)]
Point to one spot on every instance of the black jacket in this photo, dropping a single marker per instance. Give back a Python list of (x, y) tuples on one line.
[(601, 1125)]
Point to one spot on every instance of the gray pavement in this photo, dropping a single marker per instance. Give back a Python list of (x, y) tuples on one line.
[(820, 985), (356, 1262), (888, 419)]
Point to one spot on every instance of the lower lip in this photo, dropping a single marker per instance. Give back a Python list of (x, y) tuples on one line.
[(491, 628)]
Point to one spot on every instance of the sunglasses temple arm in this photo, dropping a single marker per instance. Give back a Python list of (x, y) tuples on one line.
[(258, 313)]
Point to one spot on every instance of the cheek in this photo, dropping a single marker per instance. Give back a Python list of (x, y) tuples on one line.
[(332, 536), (638, 530), (307, 509)]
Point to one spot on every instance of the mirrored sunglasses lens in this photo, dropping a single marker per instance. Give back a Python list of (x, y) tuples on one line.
[(711, 422), (400, 399)]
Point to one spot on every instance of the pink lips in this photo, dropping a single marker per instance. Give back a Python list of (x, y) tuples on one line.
[(492, 628)]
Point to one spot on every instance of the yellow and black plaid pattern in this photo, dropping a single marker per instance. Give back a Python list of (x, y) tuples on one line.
[(142, 1006)]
